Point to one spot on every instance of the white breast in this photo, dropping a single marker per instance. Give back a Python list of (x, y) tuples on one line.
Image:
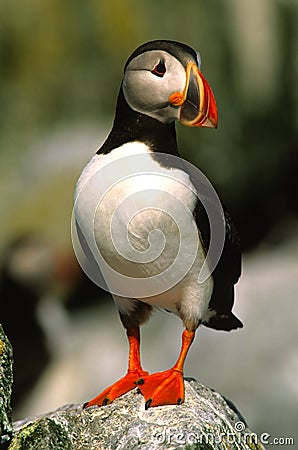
[(137, 218)]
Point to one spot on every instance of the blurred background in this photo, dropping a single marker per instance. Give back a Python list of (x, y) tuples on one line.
[(61, 65)]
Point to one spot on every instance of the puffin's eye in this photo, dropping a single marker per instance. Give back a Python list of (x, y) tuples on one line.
[(160, 69)]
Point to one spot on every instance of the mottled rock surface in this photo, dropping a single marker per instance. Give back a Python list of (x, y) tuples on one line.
[(5, 388), (205, 421)]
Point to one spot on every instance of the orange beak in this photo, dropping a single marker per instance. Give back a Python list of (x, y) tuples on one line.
[(197, 102)]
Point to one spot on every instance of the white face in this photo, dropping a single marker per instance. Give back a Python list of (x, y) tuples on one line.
[(148, 92)]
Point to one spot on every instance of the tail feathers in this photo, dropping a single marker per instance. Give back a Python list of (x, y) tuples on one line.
[(224, 322)]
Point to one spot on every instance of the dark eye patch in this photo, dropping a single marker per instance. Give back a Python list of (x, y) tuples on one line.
[(160, 69)]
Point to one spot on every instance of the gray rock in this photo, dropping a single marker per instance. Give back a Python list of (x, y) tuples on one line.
[(205, 421), (5, 388)]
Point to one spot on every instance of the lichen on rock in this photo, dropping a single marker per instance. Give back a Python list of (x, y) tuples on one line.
[(6, 378), (44, 434)]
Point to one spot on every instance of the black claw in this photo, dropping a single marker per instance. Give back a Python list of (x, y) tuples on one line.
[(179, 401), (138, 391), (85, 405), (105, 401), (148, 403), (140, 381)]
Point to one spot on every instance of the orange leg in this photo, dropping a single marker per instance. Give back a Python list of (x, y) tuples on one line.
[(129, 381), (167, 388)]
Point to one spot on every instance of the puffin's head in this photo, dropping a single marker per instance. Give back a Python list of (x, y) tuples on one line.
[(162, 80)]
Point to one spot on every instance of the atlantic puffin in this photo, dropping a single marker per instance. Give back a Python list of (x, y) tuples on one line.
[(162, 83)]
